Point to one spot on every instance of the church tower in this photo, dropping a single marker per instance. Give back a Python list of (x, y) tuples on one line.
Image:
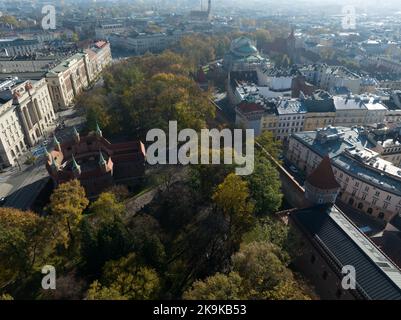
[(321, 187)]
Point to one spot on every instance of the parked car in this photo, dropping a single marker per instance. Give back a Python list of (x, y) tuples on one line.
[(2, 201), (294, 169)]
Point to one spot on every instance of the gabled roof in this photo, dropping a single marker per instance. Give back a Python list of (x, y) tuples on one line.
[(377, 277), (323, 177)]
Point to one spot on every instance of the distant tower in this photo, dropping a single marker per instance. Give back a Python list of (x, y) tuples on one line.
[(321, 187), (291, 45), (209, 7)]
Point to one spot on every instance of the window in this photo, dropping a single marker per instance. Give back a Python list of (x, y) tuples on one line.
[(388, 198), (325, 275), (381, 215), (312, 259)]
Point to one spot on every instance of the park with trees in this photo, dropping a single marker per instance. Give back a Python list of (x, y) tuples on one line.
[(209, 235)]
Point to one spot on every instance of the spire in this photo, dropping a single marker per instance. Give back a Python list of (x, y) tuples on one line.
[(56, 143), (76, 135), (102, 162), (98, 131), (76, 168)]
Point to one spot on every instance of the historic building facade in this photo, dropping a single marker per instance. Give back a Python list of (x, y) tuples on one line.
[(368, 183), (35, 109), (96, 163), (26, 117), (67, 80)]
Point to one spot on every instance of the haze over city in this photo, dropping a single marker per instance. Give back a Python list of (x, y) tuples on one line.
[(178, 150)]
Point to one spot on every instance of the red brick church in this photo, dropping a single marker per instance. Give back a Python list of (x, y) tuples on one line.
[(96, 163)]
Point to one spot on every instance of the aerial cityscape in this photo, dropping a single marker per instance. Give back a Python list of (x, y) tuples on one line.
[(200, 150)]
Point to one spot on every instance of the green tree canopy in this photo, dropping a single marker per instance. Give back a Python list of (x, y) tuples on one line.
[(24, 244), (216, 287), (67, 203), (265, 187), (126, 279)]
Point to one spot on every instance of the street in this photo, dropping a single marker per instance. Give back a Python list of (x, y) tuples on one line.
[(22, 187)]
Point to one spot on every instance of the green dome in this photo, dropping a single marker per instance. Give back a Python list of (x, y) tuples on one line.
[(243, 47)]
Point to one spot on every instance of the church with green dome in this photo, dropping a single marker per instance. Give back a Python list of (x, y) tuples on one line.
[(243, 56)]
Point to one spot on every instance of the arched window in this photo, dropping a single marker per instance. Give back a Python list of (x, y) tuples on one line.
[(381, 215), (370, 210), (360, 206)]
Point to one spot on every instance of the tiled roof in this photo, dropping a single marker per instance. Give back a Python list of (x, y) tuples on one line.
[(323, 177), (377, 277)]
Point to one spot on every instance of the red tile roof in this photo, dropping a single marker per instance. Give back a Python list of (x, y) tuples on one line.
[(323, 177), (100, 44)]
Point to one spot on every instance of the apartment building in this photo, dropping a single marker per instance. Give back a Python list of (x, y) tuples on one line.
[(35, 108), (358, 110), (18, 47), (99, 58), (320, 110), (369, 183), (291, 117), (12, 142), (26, 117), (68, 79), (142, 43), (20, 64), (387, 143), (104, 31), (330, 78)]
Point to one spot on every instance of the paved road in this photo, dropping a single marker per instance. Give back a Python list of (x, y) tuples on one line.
[(21, 188), (26, 186)]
